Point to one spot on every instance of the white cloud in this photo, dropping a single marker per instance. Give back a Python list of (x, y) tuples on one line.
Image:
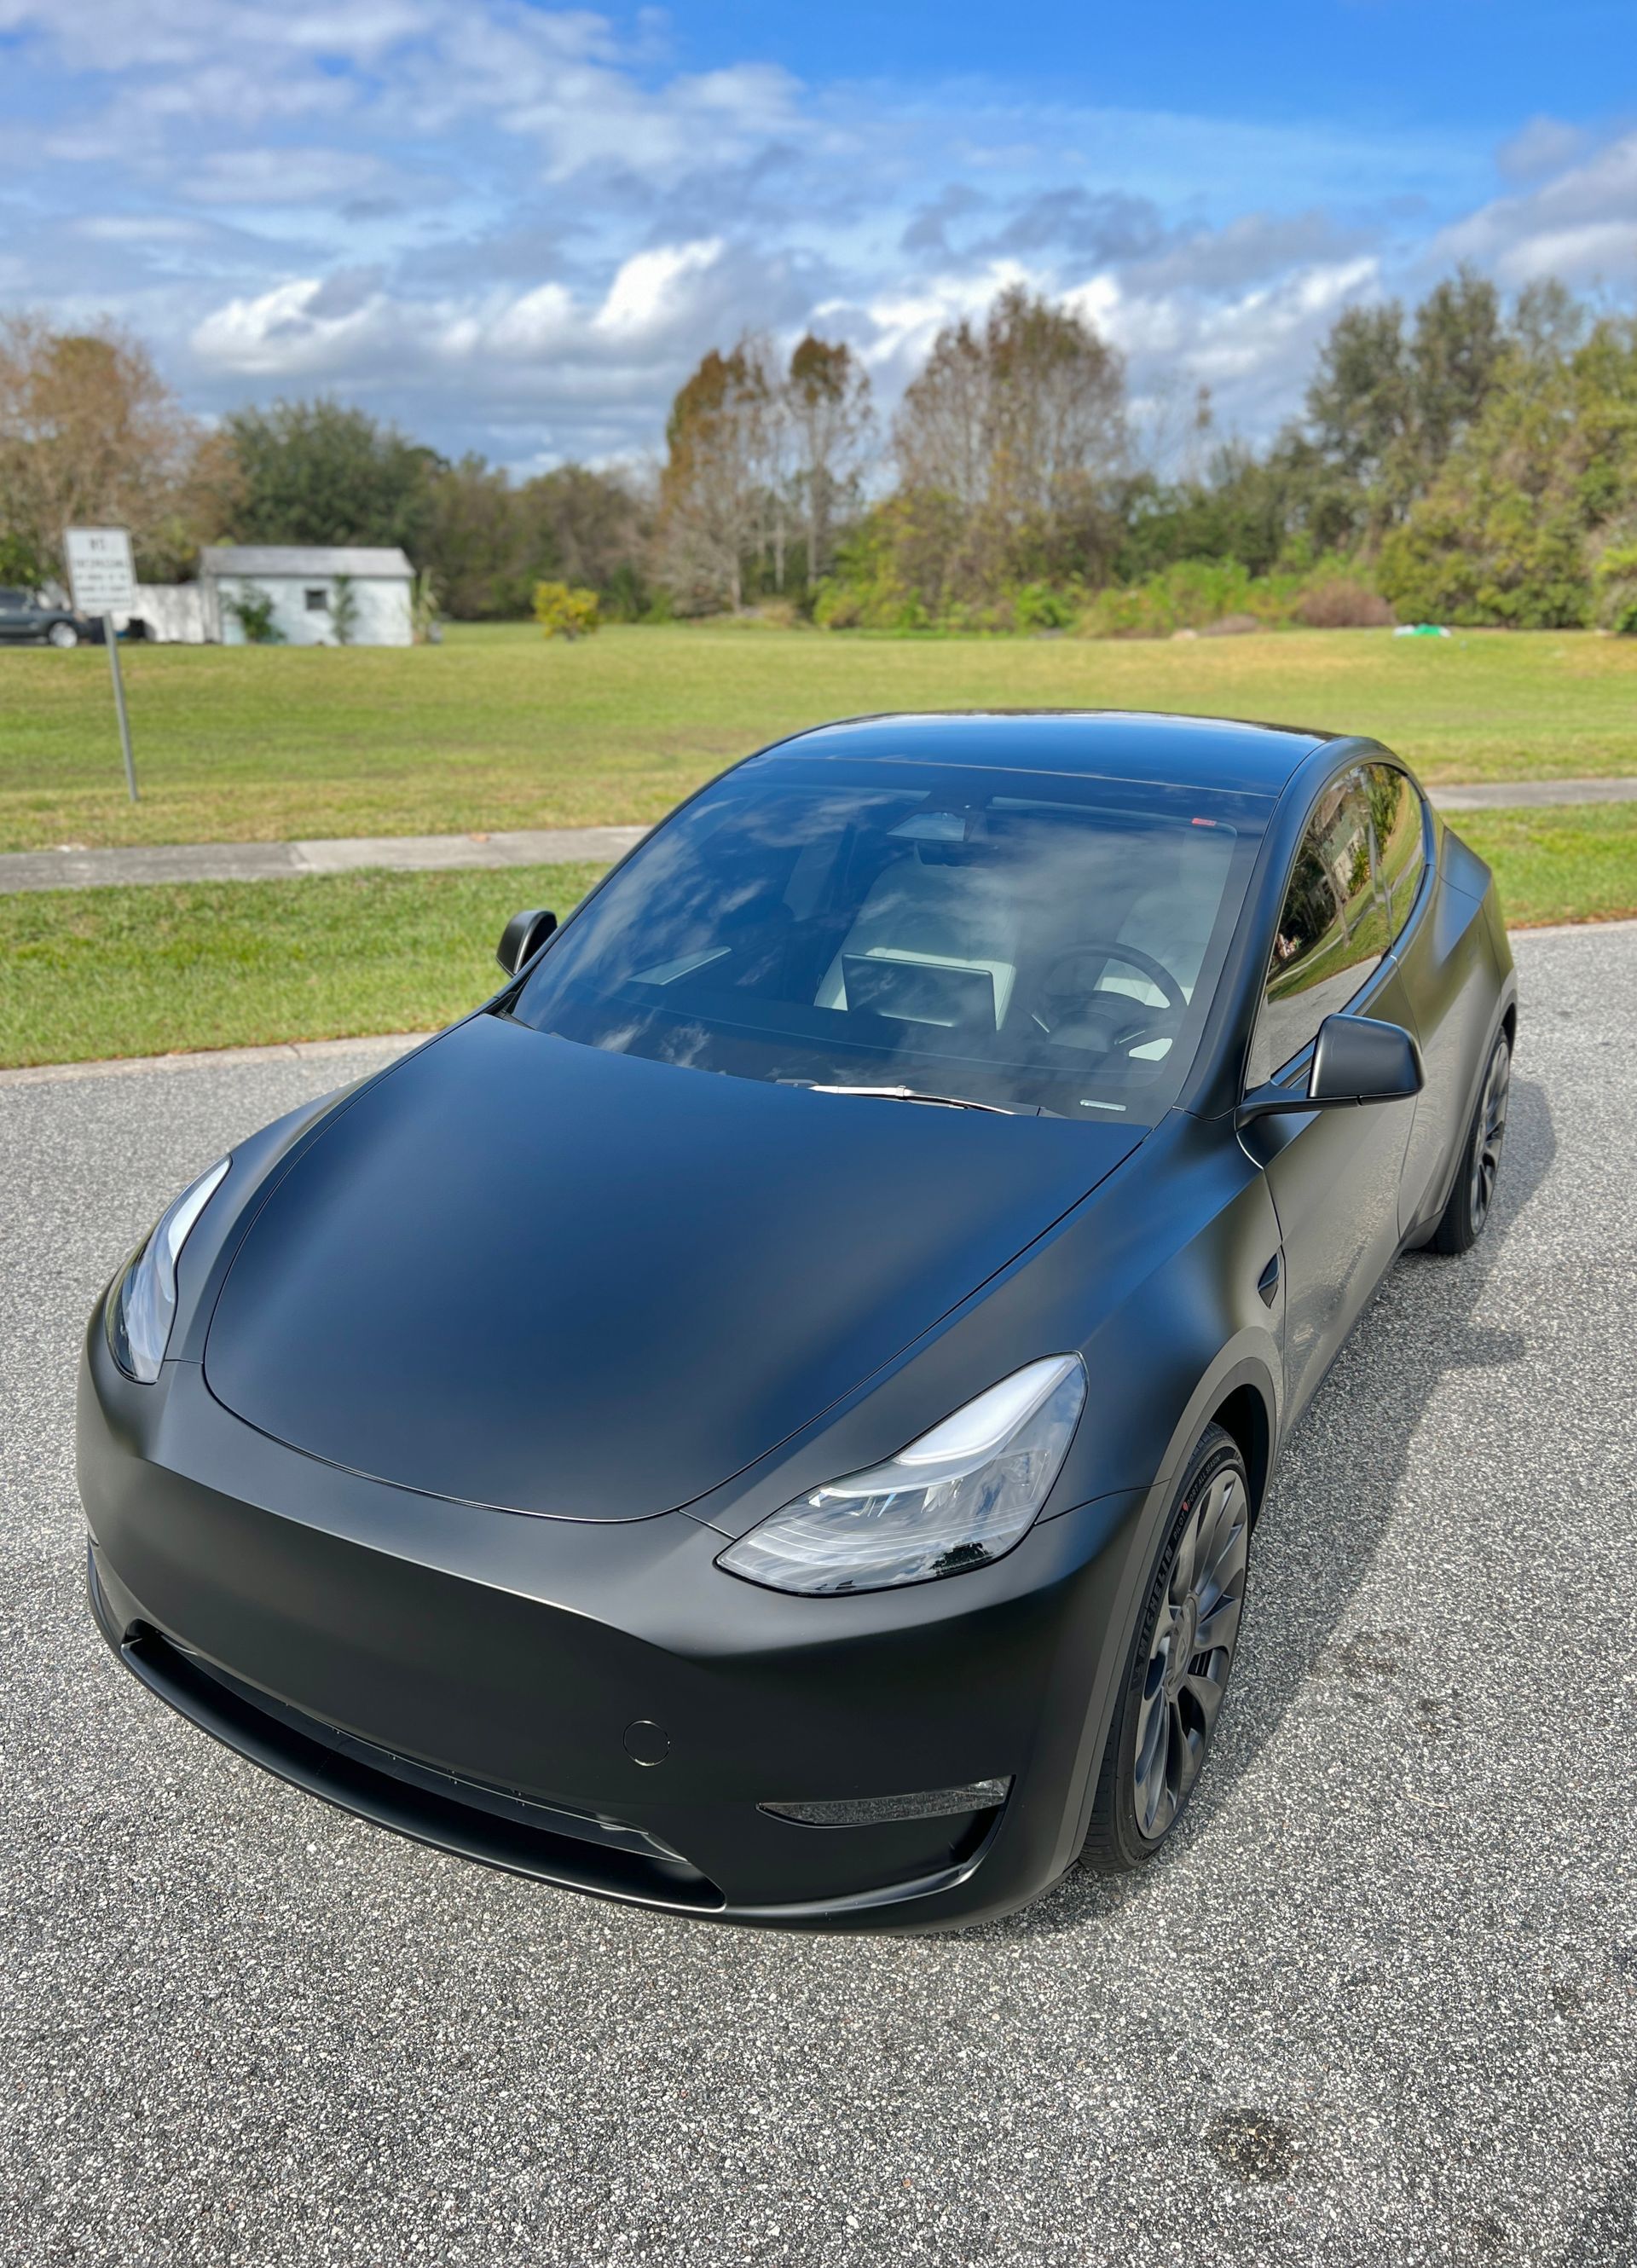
[(285, 176), (495, 217), (1544, 145), (651, 292), (899, 327), (141, 228), (309, 328), (556, 78), (284, 333), (1579, 224)]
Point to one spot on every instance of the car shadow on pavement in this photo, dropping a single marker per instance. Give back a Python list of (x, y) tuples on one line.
[(1331, 1502)]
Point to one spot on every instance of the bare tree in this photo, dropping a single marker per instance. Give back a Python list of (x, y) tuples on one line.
[(828, 394), (713, 489), (1022, 423), (943, 436), (89, 431)]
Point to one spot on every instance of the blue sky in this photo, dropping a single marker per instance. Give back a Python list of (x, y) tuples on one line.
[(513, 228)]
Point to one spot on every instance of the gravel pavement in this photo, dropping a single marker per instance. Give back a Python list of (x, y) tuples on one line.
[(1377, 2006)]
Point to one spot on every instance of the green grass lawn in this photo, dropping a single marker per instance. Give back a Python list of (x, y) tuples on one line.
[(135, 972), (130, 972), (497, 728), (1567, 862)]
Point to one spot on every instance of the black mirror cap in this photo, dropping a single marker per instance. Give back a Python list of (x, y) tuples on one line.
[(1357, 1060), (522, 938)]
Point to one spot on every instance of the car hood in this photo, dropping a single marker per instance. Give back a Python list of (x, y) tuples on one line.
[(529, 1274)]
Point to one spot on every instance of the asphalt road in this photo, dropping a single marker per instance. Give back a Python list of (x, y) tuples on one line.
[(1376, 2008)]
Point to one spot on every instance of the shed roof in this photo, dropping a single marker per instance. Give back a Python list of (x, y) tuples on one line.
[(302, 559)]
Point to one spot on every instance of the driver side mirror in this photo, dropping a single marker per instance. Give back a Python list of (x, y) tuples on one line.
[(1355, 1060), (522, 938)]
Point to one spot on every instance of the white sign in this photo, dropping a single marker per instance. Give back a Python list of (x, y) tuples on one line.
[(100, 571)]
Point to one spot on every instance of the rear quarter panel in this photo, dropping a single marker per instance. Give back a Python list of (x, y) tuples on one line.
[(1456, 990)]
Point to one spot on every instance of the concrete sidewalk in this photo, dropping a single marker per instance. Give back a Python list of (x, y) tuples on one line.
[(535, 846), (267, 862)]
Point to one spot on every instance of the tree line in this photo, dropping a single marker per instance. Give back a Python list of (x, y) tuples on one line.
[(1471, 460)]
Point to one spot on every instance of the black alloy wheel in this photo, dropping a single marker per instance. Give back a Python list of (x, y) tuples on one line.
[(1181, 1658), (1464, 1217)]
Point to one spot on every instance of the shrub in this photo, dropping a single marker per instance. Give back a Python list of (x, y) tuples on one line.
[(253, 611), (1614, 579), (1187, 595), (23, 561), (1231, 626), (565, 612), (423, 608), (1216, 597), (1342, 603), (343, 609), (1038, 607), (764, 615)]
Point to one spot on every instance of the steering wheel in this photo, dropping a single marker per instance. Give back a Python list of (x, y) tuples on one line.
[(1111, 1013)]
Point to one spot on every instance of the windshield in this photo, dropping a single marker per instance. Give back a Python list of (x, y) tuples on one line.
[(1031, 942)]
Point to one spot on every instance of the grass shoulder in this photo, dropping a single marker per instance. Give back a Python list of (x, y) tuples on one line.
[(143, 970)]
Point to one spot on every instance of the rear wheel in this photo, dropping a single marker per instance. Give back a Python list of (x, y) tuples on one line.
[(64, 635), (1176, 1672), (1462, 1222)]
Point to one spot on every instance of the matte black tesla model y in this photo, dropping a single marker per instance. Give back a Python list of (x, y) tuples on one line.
[(767, 1416)]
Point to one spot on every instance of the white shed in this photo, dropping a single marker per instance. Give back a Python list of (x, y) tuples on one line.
[(305, 584)]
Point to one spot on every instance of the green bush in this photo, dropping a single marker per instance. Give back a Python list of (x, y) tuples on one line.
[(1038, 607), (1189, 595), (1203, 594), (253, 611), (564, 611), (1614, 579), (343, 609), (905, 567)]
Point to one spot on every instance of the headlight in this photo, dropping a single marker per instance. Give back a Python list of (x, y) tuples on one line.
[(143, 1308), (961, 1496)]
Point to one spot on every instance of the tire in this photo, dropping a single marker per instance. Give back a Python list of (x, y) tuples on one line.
[(1170, 1702), (1461, 1223), (62, 635)]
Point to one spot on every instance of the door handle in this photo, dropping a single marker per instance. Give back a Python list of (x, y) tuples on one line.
[(1267, 1282)]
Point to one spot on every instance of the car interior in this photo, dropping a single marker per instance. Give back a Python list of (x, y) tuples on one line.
[(1027, 939)]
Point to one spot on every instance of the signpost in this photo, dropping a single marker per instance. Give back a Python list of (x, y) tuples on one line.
[(102, 577)]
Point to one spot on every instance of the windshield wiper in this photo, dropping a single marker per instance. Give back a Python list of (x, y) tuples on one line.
[(910, 1094)]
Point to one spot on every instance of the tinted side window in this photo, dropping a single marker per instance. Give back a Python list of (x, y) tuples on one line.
[(1332, 931), (1396, 816)]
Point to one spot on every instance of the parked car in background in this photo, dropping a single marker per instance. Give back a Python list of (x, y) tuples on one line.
[(25, 619)]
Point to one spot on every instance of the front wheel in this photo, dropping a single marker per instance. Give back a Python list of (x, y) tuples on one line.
[(62, 635), (1461, 1223), (1177, 1669)]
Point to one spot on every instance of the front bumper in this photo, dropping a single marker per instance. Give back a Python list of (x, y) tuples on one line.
[(498, 1685)]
